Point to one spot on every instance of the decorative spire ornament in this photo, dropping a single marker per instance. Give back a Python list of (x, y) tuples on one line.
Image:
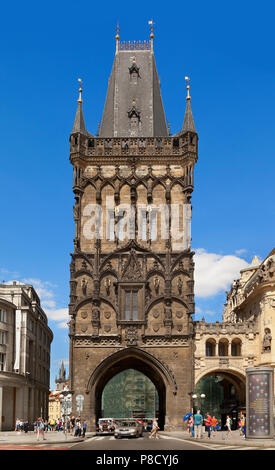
[(188, 97), (152, 33), (117, 37), (80, 90)]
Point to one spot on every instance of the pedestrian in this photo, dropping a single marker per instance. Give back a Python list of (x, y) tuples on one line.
[(208, 423), (190, 425), (68, 426), (26, 426), (40, 429), (46, 426), (214, 424), (244, 426), (77, 428), (197, 424), (240, 426), (155, 428), (84, 428), (228, 425), (17, 424), (52, 424)]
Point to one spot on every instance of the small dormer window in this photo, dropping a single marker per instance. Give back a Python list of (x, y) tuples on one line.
[(134, 72), (134, 120)]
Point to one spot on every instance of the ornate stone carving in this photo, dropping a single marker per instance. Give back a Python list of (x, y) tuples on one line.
[(131, 335), (95, 314), (156, 314)]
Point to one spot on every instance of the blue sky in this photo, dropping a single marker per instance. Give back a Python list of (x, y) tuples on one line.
[(227, 48)]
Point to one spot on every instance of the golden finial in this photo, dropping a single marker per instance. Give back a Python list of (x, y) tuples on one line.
[(117, 36), (188, 97), (152, 33), (80, 90)]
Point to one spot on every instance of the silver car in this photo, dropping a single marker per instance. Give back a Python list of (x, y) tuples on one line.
[(128, 429)]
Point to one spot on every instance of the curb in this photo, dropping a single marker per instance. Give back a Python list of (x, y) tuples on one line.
[(227, 442)]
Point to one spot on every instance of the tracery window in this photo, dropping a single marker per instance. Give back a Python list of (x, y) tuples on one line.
[(131, 305)]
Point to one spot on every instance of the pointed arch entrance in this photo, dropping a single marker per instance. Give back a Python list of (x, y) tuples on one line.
[(139, 360), (224, 394)]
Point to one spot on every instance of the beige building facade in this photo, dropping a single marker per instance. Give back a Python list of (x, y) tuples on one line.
[(25, 340), (246, 336)]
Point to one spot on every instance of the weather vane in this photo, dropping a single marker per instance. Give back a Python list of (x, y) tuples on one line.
[(150, 22), (188, 87), (80, 90)]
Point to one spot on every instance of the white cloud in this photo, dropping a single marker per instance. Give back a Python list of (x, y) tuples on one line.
[(42, 289), (46, 293), (242, 251), (214, 272), (60, 315)]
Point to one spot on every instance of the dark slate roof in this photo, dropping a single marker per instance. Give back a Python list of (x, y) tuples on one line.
[(126, 93), (79, 123), (188, 123)]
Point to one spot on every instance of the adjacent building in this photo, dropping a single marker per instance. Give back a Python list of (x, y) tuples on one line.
[(25, 340), (244, 338)]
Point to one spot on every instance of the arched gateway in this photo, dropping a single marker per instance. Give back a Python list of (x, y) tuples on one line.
[(131, 358), (132, 287)]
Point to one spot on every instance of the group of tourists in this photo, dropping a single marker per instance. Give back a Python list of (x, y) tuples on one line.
[(74, 426), (195, 423)]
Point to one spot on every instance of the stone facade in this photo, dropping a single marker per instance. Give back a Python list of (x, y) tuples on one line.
[(25, 340), (132, 293)]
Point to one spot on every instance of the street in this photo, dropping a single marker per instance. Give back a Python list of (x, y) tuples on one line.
[(101, 443)]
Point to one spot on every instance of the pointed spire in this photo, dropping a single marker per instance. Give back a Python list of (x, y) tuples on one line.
[(79, 123), (188, 123)]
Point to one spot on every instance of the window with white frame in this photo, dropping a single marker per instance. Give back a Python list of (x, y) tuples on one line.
[(3, 337), (3, 315)]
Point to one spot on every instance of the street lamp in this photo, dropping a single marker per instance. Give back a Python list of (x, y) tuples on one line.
[(200, 398), (66, 404)]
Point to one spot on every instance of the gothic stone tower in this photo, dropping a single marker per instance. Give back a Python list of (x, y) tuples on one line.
[(131, 284)]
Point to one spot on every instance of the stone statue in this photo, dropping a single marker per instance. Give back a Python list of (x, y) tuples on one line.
[(267, 341), (107, 284), (76, 210), (156, 284), (84, 285), (180, 285)]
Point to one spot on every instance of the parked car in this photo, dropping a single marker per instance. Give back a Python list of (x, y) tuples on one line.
[(105, 426), (128, 428)]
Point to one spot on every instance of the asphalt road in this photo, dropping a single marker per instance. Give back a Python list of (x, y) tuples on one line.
[(101, 443)]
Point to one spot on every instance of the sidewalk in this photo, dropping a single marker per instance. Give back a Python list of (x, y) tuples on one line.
[(55, 437), (222, 439)]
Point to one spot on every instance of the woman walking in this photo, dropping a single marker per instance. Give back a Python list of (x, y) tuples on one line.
[(214, 424), (228, 425), (154, 429), (190, 425), (40, 429)]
